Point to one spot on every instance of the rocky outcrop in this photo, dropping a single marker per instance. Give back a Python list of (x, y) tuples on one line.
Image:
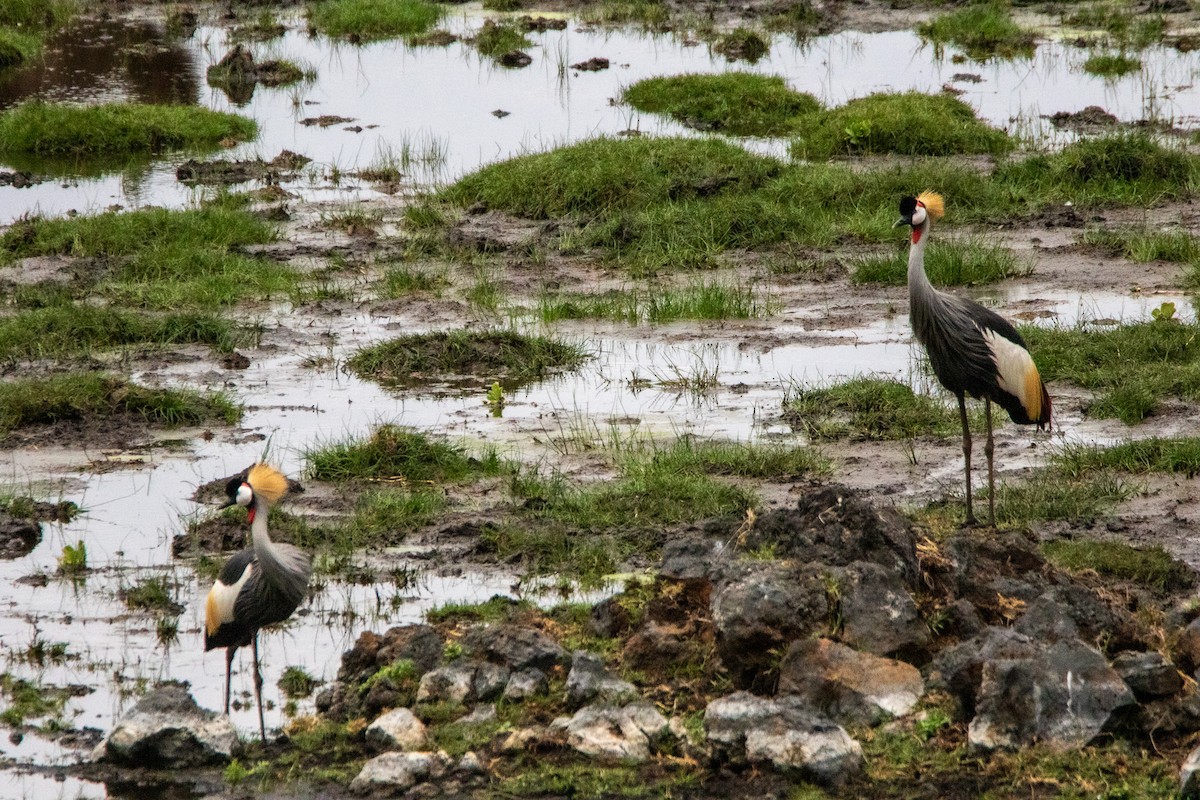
[(167, 730), (398, 729), (628, 733), (849, 686), (399, 771), (588, 680), (514, 647), (879, 615)]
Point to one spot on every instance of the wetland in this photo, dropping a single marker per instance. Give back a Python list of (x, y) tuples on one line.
[(522, 297)]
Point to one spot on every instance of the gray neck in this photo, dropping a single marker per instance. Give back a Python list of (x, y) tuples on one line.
[(918, 281), (285, 567), (924, 301)]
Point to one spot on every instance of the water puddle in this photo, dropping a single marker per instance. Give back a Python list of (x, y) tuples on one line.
[(432, 107)]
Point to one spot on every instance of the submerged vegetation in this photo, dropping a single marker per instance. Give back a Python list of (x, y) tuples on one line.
[(56, 129)]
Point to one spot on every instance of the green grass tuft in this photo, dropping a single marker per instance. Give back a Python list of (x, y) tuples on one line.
[(869, 408), (909, 123), (953, 263), (35, 401), (737, 103), (982, 31), (1131, 368), (1143, 244), (1175, 455), (374, 19), (482, 356), (394, 453), (1111, 65), (497, 38), (700, 300), (60, 331), (55, 129), (1050, 496), (1152, 567)]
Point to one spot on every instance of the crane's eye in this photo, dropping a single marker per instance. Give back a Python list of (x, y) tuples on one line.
[(244, 494)]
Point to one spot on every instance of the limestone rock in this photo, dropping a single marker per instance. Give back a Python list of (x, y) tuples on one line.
[(515, 647), (490, 681), (611, 733), (849, 686), (525, 683), (782, 731), (420, 644), (878, 613), (167, 730), (398, 771), (588, 680), (398, 729), (453, 683)]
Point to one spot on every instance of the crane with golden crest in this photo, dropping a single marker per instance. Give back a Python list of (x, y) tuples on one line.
[(260, 586), (972, 349)]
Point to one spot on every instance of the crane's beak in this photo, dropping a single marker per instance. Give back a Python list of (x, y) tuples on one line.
[(901, 221), (228, 503)]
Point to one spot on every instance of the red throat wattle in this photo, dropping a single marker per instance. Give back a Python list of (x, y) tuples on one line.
[(916, 235), (250, 515)]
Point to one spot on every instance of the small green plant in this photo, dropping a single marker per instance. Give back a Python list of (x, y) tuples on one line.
[(1111, 65), (452, 651), (73, 561), (152, 594), (933, 721), (1164, 313), (983, 30), (858, 133), (166, 630), (495, 399), (296, 682)]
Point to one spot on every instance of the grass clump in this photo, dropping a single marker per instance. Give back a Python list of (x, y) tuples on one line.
[(24, 25), (948, 263), (152, 594), (909, 123), (586, 781), (869, 408), (1140, 456), (1135, 31), (1111, 65), (296, 682), (1152, 567), (650, 14), (737, 103), (373, 19), (65, 330), (403, 280), (700, 300), (461, 353), (1049, 496), (498, 608), (605, 175), (17, 47), (742, 44), (388, 515), (29, 701), (1131, 368), (497, 38), (742, 460), (1130, 169), (1142, 245), (393, 452), (43, 401), (55, 129), (982, 31)]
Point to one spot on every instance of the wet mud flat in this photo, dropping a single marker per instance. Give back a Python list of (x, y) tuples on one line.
[(370, 274)]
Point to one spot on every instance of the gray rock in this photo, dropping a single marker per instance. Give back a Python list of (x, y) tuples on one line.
[(1063, 696), (1189, 776), (398, 729), (782, 731), (490, 680), (765, 609), (400, 771), (526, 683), (878, 613), (453, 683), (521, 738), (849, 686), (617, 734), (1048, 620), (515, 647), (484, 712), (686, 559), (1148, 674), (470, 764), (588, 680), (167, 730)]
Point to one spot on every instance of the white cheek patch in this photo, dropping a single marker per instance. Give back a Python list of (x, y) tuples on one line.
[(1013, 364), (918, 216)]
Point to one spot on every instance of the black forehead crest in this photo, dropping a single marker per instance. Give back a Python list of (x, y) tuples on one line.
[(232, 487), (908, 205)]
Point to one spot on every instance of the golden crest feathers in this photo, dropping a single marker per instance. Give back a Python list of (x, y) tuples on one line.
[(935, 206), (268, 482)]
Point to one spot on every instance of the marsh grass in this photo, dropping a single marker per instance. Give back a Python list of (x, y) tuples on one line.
[(742, 44), (982, 31), (586, 781), (17, 47), (487, 355), (27, 701), (1139, 456), (1111, 65), (650, 14), (1131, 368), (1151, 567), (24, 24), (296, 682), (1052, 496), (55, 129), (152, 594), (63, 330), (1143, 244), (971, 262), (908, 123), (38, 401), (700, 300), (402, 280), (389, 515), (871, 408), (373, 19), (736, 103), (495, 39), (1124, 29), (393, 453), (739, 459)]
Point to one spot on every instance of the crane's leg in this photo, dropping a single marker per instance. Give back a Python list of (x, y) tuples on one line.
[(988, 448), (962, 413), (258, 684), (229, 651)]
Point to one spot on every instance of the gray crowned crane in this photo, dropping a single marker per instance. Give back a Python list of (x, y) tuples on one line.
[(259, 586), (973, 350)]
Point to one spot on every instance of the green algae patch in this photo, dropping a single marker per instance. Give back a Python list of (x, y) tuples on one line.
[(55, 129), (373, 19), (982, 31), (479, 356), (737, 103), (908, 123), (604, 175)]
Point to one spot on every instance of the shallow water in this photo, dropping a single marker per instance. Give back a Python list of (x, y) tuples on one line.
[(136, 502), (436, 103)]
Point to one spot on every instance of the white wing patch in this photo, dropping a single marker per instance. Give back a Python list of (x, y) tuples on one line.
[(1013, 364), (221, 599)]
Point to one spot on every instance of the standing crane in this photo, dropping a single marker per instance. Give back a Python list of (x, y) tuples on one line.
[(261, 585), (973, 350)]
